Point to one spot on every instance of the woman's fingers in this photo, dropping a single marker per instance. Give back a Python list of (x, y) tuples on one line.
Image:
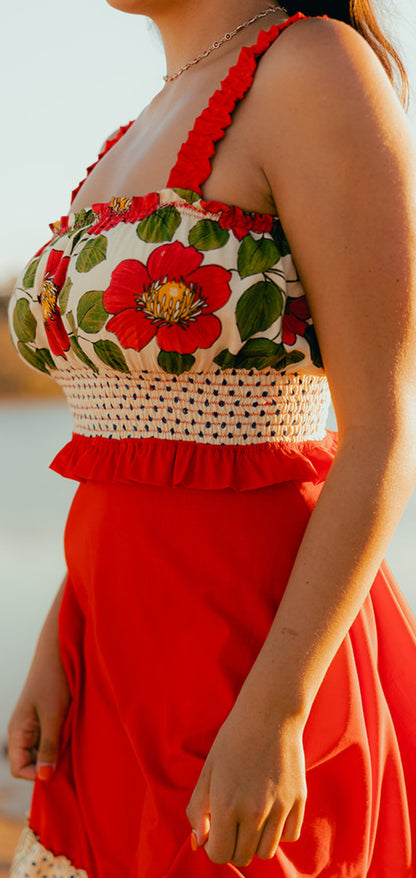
[(198, 810), (260, 834), (212, 824), (34, 742), (293, 825), (280, 827), (50, 736), (250, 794), (228, 839), (222, 835), (248, 835), (24, 734)]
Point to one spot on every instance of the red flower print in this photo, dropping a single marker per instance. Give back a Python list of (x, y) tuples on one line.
[(295, 319), (126, 210), (234, 218), (262, 222), (238, 220), (53, 281), (59, 227), (171, 297)]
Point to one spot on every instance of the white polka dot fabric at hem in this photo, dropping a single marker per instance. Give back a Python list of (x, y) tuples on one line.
[(32, 859)]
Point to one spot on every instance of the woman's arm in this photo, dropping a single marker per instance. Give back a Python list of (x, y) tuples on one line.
[(36, 722), (341, 164)]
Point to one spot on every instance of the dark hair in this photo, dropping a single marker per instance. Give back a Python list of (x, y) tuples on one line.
[(362, 16)]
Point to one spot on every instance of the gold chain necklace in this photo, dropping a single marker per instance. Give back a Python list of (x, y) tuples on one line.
[(216, 45)]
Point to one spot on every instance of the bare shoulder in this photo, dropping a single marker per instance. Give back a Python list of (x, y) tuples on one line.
[(321, 56), (337, 153), (322, 97), (323, 71)]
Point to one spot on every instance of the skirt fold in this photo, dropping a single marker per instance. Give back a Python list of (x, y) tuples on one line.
[(170, 595)]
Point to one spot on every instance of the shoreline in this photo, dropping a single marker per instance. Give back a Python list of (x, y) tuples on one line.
[(10, 830), (14, 803), (14, 400)]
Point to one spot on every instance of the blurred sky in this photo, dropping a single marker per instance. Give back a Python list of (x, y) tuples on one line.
[(71, 73)]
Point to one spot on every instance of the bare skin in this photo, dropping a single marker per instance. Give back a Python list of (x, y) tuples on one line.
[(35, 727), (348, 206), (157, 134)]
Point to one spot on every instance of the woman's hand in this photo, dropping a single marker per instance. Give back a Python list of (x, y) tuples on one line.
[(36, 722), (252, 790)]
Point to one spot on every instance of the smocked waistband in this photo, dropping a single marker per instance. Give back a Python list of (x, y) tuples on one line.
[(215, 408)]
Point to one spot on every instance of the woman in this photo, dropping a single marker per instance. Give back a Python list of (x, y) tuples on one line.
[(231, 689)]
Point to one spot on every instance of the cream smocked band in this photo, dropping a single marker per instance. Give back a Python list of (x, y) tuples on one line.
[(214, 408)]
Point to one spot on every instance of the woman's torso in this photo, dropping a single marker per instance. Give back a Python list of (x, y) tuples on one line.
[(134, 296)]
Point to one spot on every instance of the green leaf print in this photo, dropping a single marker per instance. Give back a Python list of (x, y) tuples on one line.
[(91, 313), (258, 308), (280, 239), (82, 219), (47, 358), (94, 252), (310, 336), (208, 235), (40, 359), (260, 353), (29, 275), (111, 355), (175, 363), (293, 357), (187, 195), (24, 323), (71, 320), (64, 295), (225, 359), (78, 236), (77, 349), (160, 226), (256, 255)]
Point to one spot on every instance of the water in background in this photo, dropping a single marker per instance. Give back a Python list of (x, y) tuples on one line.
[(33, 506)]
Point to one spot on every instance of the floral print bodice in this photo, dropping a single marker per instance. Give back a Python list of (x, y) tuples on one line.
[(165, 281), (168, 288)]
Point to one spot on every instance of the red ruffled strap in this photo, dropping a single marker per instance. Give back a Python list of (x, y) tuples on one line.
[(108, 144), (168, 463), (193, 165)]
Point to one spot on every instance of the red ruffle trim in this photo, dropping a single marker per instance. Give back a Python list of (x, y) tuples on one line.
[(193, 165), (168, 462)]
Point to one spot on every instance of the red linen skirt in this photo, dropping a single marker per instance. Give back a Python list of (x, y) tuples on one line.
[(170, 594)]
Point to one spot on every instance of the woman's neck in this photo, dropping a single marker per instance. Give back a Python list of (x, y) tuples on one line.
[(188, 28)]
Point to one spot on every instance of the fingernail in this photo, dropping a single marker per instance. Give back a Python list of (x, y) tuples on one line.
[(45, 771), (194, 841)]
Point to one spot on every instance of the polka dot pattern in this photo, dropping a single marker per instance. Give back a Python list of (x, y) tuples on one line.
[(32, 860), (236, 408)]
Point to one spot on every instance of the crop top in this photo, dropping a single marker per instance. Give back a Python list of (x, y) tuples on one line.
[(178, 329)]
